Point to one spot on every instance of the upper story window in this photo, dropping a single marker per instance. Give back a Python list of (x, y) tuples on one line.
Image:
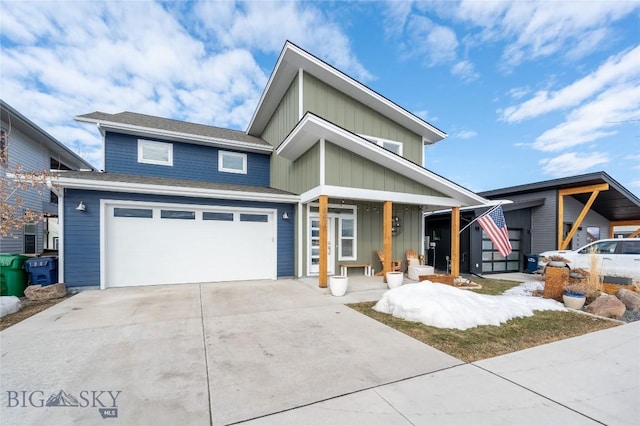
[(393, 146), (232, 162), (150, 152)]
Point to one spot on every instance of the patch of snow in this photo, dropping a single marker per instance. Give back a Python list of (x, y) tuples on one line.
[(444, 306), (9, 305), (525, 289)]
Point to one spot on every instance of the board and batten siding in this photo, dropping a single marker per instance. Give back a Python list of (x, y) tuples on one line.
[(370, 236), (190, 161), (344, 168), (82, 231), (32, 156), (285, 117), (280, 125), (339, 108)]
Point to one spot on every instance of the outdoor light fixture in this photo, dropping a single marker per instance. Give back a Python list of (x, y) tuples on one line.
[(285, 216), (81, 207), (395, 225)]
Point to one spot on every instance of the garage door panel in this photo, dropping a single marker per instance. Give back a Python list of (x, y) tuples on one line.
[(157, 250)]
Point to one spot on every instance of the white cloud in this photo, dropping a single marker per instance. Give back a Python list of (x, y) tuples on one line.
[(63, 59), (536, 29), (395, 17), (466, 134), (572, 163), (434, 44), (519, 92), (595, 120), (265, 26), (465, 70), (618, 69)]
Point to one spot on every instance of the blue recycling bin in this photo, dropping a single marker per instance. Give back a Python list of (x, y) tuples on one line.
[(42, 270), (531, 260)]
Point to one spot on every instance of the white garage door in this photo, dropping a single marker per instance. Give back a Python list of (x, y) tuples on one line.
[(148, 244)]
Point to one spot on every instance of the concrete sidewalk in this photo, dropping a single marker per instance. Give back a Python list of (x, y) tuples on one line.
[(588, 380), (280, 352)]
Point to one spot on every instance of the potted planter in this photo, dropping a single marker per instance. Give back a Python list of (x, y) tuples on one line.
[(338, 285), (395, 279), (573, 300)]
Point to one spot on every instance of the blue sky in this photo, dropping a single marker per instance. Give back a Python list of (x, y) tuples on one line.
[(527, 91)]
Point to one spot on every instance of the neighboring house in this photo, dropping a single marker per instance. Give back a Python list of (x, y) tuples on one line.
[(564, 213), (35, 150), (327, 172)]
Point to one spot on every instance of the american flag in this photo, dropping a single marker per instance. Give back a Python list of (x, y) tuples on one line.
[(496, 228)]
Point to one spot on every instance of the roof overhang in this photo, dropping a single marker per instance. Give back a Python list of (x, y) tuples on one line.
[(292, 59), (617, 204), (168, 190), (58, 150), (313, 128), (148, 132)]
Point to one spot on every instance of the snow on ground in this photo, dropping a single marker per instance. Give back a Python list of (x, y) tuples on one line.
[(445, 306), (9, 305)]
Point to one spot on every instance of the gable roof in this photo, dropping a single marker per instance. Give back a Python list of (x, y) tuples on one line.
[(175, 130), (58, 151), (293, 58), (616, 204), (312, 128)]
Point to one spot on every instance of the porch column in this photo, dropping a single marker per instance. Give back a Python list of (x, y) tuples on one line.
[(386, 238), (324, 246), (455, 241)]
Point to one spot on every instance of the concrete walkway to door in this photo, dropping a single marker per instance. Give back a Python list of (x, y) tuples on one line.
[(278, 352)]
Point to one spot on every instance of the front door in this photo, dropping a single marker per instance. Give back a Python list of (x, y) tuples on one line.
[(313, 249)]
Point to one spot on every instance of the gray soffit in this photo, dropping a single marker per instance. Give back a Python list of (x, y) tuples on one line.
[(312, 128), (616, 204)]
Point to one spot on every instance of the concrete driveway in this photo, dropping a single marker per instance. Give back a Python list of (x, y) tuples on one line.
[(197, 354), (283, 353)]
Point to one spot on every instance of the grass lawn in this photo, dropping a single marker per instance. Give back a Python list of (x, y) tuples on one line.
[(488, 341)]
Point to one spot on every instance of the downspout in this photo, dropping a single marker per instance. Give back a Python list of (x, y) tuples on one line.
[(299, 218)]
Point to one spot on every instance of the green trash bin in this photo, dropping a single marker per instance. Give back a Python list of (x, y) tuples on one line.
[(13, 277)]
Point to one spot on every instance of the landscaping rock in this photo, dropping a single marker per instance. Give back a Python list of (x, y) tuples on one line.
[(607, 306), (631, 299), (38, 292)]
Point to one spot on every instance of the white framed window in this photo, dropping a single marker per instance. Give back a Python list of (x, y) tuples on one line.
[(393, 146), (343, 222), (151, 152), (347, 241), (232, 162)]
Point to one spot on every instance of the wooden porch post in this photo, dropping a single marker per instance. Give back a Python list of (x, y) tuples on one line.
[(386, 238), (324, 241), (455, 241)]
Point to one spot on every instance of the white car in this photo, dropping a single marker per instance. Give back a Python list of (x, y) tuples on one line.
[(618, 257)]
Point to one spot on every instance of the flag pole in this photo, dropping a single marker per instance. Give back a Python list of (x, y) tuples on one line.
[(482, 215)]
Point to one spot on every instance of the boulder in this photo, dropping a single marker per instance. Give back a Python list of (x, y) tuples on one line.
[(607, 306), (631, 299), (39, 292)]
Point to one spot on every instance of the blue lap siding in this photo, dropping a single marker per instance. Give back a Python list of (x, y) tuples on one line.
[(192, 162), (82, 231)]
